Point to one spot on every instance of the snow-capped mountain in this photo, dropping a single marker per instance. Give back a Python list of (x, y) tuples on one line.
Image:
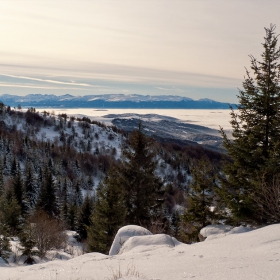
[(111, 101)]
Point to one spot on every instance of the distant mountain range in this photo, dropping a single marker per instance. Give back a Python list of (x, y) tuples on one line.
[(112, 101)]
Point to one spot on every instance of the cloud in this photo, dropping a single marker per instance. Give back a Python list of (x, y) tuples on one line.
[(93, 74), (37, 87), (47, 81)]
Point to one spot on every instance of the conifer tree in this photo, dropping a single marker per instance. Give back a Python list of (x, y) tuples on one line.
[(84, 219), (175, 224), (108, 215), (200, 211), (30, 188), (64, 211), (143, 188), (28, 243), (5, 246), (14, 170), (1, 182), (72, 215), (18, 190), (77, 193), (47, 199), (254, 149), (10, 213)]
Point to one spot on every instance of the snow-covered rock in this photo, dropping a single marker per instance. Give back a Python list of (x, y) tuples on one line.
[(216, 231), (146, 243), (124, 234)]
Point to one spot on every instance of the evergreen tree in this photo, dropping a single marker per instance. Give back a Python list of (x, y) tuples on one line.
[(14, 170), (108, 215), (254, 149), (18, 190), (90, 184), (200, 211), (143, 188), (84, 219), (64, 211), (30, 188), (47, 200), (5, 247), (28, 243), (72, 215), (77, 193), (1, 182), (10, 213), (175, 224)]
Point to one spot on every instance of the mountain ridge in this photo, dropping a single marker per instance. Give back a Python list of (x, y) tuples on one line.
[(118, 101)]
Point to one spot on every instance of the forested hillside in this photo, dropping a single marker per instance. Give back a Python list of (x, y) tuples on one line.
[(56, 168)]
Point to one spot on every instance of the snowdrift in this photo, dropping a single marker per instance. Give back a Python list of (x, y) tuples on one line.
[(124, 234), (250, 255), (217, 231)]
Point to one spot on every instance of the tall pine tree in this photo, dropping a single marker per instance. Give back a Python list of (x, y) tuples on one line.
[(30, 188), (254, 149), (108, 215), (143, 188), (47, 200), (200, 211), (84, 218)]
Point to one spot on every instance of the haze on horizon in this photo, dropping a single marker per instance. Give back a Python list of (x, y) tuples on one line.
[(191, 48)]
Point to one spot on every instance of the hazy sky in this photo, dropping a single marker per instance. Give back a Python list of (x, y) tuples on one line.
[(192, 48)]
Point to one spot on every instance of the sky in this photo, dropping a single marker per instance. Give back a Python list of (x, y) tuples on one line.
[(192, 48)]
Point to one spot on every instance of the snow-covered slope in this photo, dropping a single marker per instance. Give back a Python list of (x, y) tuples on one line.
[(251, 255)]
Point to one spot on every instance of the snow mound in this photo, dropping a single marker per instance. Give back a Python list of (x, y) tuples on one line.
[(124, 234), (216, 231), (146, 243)]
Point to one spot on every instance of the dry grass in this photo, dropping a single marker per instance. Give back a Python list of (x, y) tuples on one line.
[(130, 271)]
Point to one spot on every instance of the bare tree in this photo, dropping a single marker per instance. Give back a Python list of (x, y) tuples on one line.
[(268, 199), (48, 233)]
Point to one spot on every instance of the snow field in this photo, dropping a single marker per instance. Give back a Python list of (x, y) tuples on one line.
[(248, 255)]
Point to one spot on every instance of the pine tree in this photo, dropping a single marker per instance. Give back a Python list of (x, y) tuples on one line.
[(18, 190), (175, 224), (64, 210), (72, 210), (143, 188), (5, 247), (90, 184), (108, 215), (10, 213), (14, 170), (30, 188), (1, 182), (77, 193), (47, 199), (200, 211), (28, 243), (84, 220), (254, 149)]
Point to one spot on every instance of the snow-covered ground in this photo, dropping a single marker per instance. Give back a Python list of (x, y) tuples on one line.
[(233, 254)]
